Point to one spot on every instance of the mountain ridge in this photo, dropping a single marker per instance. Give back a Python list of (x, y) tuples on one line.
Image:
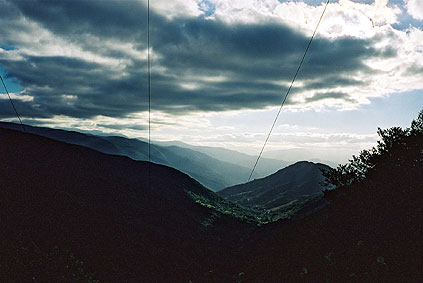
[(213, 173), (297, 182), (266, 166), (111, 211), (69, 213)]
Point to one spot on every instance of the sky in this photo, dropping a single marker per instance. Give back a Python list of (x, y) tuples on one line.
[(220, 70)]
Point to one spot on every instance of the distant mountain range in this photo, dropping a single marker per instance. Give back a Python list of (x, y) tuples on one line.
[(318, 155), (266, 166), (69, 213), (297, 182), (215, 168)]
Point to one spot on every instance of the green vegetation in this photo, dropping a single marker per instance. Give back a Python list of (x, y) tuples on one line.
[(291, 209), (220, 205), (256, 214), (281, 195)]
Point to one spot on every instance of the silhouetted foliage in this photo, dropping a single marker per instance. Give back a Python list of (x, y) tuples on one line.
[(70, 214), (370, 229), (397, 147)]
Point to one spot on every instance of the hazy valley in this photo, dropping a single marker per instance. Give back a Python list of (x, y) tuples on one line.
[(73, 213), (204, 141)]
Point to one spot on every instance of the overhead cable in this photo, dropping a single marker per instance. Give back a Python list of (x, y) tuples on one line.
[(13, 105), (288, 91)]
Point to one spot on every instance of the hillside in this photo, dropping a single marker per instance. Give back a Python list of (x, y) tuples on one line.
[(296, 182), (69, 213), (370, 231), (62, 205), (211, 172)]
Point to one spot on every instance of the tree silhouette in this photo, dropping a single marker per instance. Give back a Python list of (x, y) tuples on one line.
[(399, 151)]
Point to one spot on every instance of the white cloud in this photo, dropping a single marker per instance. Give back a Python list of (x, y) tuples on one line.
[(245, 130), (352, 19), (17, 96), (32, 39), (177, 8), (343, 18), (205, 130), (415, 8)]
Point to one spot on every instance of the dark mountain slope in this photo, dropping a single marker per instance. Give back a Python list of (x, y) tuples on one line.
[(368, 233), (371, 231), (295, 182), (61, 202), (112, 145), (212, 173), (209, 171)]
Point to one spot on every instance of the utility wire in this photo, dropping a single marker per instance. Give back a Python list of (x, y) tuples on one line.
[(149, 94), (149, 80), (288, 91), (13, 105)]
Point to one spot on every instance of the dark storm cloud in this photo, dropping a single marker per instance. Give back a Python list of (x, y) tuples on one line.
[(26, 109), (331, 81), (329, 95), (73, 87), (123, 127), (250, 58), (414, 69), (125, 20)]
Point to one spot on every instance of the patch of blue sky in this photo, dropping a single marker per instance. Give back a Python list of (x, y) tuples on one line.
[(319, 2), (7, 47), (397, 109), (207, 7), (11, 83), (405, 21), (308, 2)]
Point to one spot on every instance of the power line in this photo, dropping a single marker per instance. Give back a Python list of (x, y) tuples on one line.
[(13, 105), (149, 94), (288, 91), (149, 80)]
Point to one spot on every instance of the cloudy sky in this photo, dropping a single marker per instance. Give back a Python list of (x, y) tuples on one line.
[(220, 69)]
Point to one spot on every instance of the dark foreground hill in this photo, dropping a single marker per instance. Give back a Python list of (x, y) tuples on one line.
[(296, 182), (69, 212), (211, 172), (371, 231)]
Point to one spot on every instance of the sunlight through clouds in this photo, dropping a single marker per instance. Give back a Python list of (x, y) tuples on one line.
[(415, 8), (220, 68)]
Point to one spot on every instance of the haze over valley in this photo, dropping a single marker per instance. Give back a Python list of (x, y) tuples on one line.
[(211, 141)]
